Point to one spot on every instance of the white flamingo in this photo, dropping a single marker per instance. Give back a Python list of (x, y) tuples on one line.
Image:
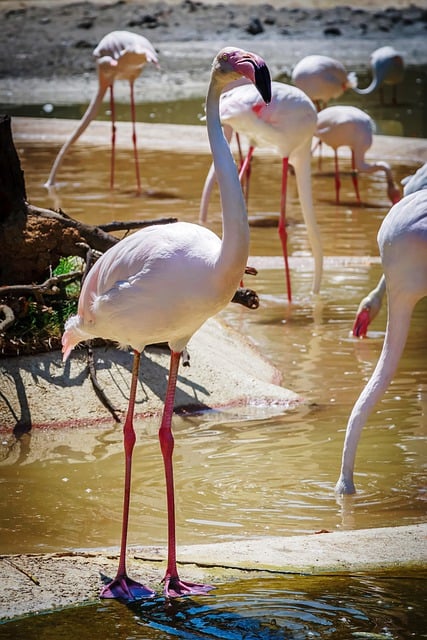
[(387, 67), (160, 285), (287, 124), (402, 241), (121, 55), (322, 78), (346, 126), (371, 304)]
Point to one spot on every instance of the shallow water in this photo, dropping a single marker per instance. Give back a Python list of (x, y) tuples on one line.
[(266, 608), (53, 487), (238, 472)]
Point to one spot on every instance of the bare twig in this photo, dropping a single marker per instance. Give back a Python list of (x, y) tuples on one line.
[(120, 225), (99, 392), (49, 287)]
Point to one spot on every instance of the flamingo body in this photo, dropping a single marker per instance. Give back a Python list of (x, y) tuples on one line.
[(343, 125), (160, 285), (182, 258), (402, 240), (287, 124), (120, 55), (322, 78)]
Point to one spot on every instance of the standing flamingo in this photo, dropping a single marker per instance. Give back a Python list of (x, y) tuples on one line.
[(340, 126), (387, 67), (121, 55), (287, 124), (160, 285), (371, 304), (402, 240), (322, 78)]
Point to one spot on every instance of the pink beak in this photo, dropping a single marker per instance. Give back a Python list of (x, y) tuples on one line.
[(360, 326)]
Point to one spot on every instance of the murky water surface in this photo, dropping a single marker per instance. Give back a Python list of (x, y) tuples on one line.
[(265, 608), (240, 473)]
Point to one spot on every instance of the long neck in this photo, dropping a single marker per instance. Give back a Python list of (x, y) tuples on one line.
[(235, 235), (398, 321), (89, 115), (301, 161), (375, 82)]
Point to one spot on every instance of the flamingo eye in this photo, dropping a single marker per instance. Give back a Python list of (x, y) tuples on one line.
[(225, 57)]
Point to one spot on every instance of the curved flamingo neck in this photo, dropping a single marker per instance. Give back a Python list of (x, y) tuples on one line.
[(398, 322), (89, 115), (375, 82), (235, 235)]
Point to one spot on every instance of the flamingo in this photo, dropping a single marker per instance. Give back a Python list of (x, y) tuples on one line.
[(340, 126), (322, 78), (402, 241), (120, 55), (388, 67), (287, 124), (160, 285), (371, 304)]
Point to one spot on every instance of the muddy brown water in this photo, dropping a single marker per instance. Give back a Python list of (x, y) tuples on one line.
[(239, 473)]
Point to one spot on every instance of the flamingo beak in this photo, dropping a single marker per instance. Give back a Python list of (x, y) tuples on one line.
[(263, 80), (393, 192), (360, 326), (394, 195)]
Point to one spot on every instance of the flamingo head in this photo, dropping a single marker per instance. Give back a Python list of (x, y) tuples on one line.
[(233, 61), (361, 323), (393, 193)]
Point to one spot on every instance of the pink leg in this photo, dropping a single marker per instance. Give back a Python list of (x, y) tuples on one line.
[(283, 234), (337, 179), (354, 177), (122, 586), (245, 172), (174, 587), (239, 147), (113, 136), (135, 150)]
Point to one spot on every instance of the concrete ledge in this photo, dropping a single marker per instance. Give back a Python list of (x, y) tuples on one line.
[(36, 583), (187, 138)]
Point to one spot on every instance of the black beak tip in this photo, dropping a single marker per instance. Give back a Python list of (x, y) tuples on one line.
[(263, 82)]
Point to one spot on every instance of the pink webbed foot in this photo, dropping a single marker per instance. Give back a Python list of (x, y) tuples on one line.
[(175, 588), (124, 588)]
